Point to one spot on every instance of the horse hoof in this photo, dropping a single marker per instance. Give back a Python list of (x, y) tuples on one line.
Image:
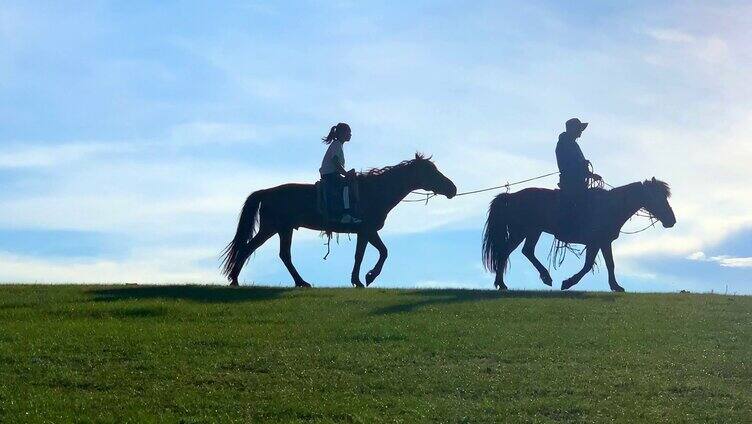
[(370, 277), (547, 280), (234, 283), (567, 284), (358, 285), (617, 288), (303, 285)]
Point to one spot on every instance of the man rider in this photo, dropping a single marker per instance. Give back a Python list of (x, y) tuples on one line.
[(573, 178)]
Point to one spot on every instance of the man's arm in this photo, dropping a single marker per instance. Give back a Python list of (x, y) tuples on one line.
[(580, 158)]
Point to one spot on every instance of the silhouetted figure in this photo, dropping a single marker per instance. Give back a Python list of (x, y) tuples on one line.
[(524, 215), (334, 177), (282, 209), (573, 178)]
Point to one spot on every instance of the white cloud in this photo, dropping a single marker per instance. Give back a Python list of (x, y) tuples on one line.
[(170, 266), (708, 48), (36, 156), (722, 260), (134, 194), (670, 35), (714, 50), (732, 262), (697, 256), (204, 132)]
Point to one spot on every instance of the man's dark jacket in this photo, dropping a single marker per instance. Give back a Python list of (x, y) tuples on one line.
[(572, 164)]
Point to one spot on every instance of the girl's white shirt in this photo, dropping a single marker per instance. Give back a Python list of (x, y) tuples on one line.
[(328, 165)]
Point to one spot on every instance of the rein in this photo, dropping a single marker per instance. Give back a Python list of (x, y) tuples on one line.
[(648, 215), (653, 221)]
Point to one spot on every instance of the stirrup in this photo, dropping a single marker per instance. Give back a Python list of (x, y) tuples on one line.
[(348, 219)]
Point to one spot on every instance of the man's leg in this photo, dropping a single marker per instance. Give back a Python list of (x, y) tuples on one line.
[(567, 212), (579, 210)]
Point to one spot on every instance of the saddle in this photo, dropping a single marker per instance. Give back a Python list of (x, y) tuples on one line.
[(331, 199), (576, 214)]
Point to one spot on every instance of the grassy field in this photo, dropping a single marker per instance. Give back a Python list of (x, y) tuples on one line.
[(210, 354)]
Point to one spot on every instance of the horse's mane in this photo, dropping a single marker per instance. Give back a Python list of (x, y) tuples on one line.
[(661, 186), (405, 163)]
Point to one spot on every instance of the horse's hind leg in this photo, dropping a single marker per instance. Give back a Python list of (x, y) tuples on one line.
[(512, 244), (592, 252), (246, 251), (529, 251), (285, 243)]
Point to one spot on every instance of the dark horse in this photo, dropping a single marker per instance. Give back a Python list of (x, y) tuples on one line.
[(282, 209), (514, 217)]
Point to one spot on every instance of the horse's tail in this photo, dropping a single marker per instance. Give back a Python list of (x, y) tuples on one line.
[(496, 234), (244, 234)]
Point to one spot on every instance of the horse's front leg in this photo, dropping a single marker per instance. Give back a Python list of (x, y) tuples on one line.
[(592, 252), (608, 257), (375, 240), (360, 250)]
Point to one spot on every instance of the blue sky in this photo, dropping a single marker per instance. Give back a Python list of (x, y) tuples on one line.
[(131, 132)]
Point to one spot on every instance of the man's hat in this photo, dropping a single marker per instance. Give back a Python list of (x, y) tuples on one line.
[(575, 124)]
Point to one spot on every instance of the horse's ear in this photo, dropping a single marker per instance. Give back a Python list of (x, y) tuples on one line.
[(653, 179), (417, 156)]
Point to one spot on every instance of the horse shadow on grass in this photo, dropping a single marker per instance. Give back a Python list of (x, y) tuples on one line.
[(447, 297), (201, 294)]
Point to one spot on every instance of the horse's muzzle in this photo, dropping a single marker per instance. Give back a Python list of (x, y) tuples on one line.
[(670, 222), (451, 192)]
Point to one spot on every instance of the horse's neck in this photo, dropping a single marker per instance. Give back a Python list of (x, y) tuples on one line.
[(392, 186), (631, 201)]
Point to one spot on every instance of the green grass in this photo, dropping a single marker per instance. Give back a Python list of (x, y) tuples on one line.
[(210, 354)]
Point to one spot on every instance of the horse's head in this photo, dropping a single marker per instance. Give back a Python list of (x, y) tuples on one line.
[(657, 193), (431, 179)]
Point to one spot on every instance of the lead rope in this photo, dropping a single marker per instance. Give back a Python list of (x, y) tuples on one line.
[(429, 196)]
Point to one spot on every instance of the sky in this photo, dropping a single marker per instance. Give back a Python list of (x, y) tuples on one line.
[(132, 132)]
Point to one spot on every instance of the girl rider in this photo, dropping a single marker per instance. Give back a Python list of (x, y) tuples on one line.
[(333, 173)]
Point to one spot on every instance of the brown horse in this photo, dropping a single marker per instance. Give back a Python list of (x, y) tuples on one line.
[(282, 209), (514, 217)]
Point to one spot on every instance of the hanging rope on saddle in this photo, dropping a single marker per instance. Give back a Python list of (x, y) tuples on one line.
[(329, 235), (328, 243)]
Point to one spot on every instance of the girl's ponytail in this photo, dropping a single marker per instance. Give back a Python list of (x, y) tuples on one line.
[(331, 137)]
